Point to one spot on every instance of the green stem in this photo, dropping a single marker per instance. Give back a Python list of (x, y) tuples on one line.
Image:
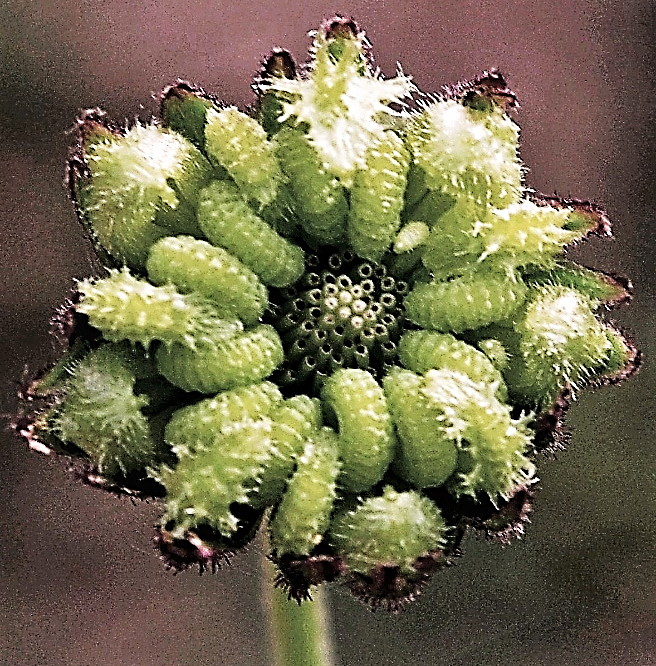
[(300, 634)]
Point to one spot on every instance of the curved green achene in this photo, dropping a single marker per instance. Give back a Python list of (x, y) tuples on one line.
[(194, 428), (394, 530), (126, 308), (303, 516), (194, 265), (238, 143), (465, 303), (100, 413), (366, 435), (561, 343), (227, 221), (421, 351), (455, 244), (131, 178), (493, 447), (427, 454), (467, 153), (376, 198), (222, 363), (318, 198), (203, 486), (293, 422)]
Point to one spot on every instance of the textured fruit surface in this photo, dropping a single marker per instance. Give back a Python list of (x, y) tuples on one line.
[(222, 363), (195, 266), (468, 153), (126, 308), (228, 222), (398, 528), (366, 436), (130, 180), (341, 314), (428, 454), (238, 143), (101, 414), (465, 303), (202, 487), (561, 344), (303, 515)]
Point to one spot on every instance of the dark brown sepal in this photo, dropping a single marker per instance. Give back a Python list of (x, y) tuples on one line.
[(135, 484), (180, 554), (298, 574), (204, 546), (484, 92), (507, 519), (340, 27), (279, 64), (389, 588)]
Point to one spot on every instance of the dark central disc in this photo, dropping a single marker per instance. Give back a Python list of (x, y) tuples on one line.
[(343, 313)]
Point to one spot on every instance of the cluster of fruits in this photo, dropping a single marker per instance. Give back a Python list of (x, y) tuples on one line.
[(338, 314)]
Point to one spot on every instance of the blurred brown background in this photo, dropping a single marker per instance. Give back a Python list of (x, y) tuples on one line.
[(79, 584)]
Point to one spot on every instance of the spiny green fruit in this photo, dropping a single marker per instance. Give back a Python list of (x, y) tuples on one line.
[(391, 530), (101, 414), (303, 516), (493, 447), (343, 104), (228, 222), (366, 436), (202, 487), (126, 308), (195, 428), (238, 143), (195, 266), (527, 233), (561, 343), (467, 153), (597, 286), (469, 237), (131, 178), (333, 255), (222, 363)]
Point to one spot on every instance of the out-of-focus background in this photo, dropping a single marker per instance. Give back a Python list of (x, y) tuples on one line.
[(79, 583)]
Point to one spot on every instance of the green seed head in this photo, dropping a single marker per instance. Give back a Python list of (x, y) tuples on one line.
[(332, 314)]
